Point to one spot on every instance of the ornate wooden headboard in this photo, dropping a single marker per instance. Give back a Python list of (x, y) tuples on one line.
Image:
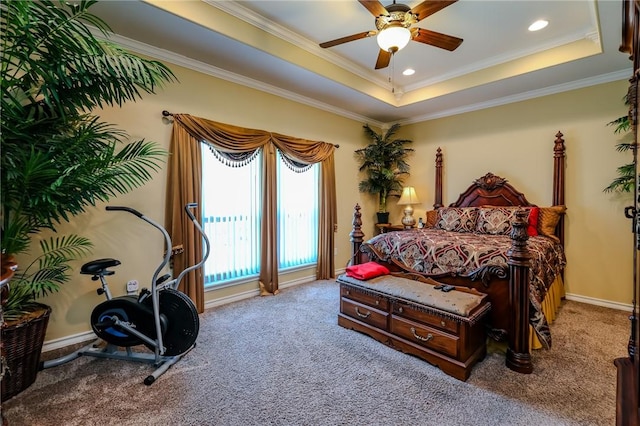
[(492, 190)]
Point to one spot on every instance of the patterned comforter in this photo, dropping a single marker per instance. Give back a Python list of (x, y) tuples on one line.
[(435, 251)]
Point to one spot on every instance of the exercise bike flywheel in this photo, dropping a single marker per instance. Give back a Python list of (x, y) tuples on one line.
[(183, 323), (126, 309)]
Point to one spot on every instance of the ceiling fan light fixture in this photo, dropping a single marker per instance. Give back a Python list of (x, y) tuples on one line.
[(393, 38)]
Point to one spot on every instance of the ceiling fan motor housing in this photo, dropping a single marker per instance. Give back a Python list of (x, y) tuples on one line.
[(399, 15)]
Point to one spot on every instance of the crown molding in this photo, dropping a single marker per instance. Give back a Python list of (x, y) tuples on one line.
[(551, 90), (249, 16), (503, 59), (183, 61)]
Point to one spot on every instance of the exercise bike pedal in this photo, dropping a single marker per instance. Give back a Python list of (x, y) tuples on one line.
[(105, 324)]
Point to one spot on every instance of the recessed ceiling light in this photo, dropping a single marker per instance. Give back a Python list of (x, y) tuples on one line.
[(538, 25), (409, 71)]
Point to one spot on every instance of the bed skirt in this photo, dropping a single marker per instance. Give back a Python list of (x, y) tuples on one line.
[(550, 306)]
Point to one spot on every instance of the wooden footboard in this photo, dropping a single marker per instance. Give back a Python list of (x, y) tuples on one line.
[(508, 290)]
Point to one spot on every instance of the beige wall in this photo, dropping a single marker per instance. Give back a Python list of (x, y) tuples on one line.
[(139, 246), (514, 141)]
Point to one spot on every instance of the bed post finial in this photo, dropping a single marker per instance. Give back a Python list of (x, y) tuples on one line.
[(518, 258), (356, 236), (438, 191)]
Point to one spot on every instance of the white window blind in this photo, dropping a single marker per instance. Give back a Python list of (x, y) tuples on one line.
[(231, 217), (231, 209), (297, 214)]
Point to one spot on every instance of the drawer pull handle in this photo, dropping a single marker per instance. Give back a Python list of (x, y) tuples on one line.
[(421, 338), (367, 315)]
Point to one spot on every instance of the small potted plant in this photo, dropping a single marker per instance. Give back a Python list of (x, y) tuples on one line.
[(58, 159), (384, 163)]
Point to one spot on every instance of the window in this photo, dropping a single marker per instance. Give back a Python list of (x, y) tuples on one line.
[(231, 216), (297, 213), (231, 209)]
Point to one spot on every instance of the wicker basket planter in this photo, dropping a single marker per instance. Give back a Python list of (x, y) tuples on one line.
[(21, 348)]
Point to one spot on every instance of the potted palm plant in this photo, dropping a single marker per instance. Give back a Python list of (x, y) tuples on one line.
[(58, 158), (384, 163)]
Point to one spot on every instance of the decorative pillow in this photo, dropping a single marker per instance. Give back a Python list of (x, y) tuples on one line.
[(534, 214), (548, 219), (432, 218), (457, 219), (498, 220)]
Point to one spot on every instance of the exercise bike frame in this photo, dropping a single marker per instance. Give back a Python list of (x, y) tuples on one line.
[(155, 286), (158, 284)]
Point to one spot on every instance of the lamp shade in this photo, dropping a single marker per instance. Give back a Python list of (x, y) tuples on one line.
[(393, 38), (408, 196)]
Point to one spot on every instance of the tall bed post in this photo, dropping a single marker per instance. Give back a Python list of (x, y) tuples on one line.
[(558, 180), (438, 193), (518, 258), (356, 236)]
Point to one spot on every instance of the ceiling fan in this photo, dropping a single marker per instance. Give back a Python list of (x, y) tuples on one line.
[(394, 28)]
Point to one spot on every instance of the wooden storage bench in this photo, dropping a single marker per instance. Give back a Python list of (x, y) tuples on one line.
[(443, 328)]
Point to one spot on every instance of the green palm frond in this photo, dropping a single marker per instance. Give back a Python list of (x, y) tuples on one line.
[(384, 161), (50, 269), (81, 71), (622, 124), (57, 158), (625, 182)]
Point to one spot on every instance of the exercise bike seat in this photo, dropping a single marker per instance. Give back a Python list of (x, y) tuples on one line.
[(99, 266)]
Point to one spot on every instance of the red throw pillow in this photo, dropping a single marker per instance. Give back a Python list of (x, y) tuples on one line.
[(366, 270), (532, 229)]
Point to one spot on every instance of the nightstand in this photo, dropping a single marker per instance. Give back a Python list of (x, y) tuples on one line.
[(386, 227)]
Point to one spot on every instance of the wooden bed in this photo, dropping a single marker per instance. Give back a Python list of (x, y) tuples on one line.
[(513, 307)]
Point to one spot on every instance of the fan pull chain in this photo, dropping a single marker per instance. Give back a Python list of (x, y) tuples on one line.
[(392, 72)]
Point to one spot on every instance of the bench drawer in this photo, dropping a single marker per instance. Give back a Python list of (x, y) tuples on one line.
[(374, 300), (364, 313), (424, 335), (423, 316)]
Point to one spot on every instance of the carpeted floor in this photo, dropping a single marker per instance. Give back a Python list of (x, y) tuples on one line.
[(283, 360)]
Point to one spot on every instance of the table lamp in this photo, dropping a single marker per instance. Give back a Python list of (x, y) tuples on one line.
[(408, 198)]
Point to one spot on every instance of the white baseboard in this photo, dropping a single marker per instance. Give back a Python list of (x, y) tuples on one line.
[(62, 342), (87, 336), (599, 302), (253, 293)]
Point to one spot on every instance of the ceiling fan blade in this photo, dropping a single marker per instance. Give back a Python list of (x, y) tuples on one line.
[(375, 7), (383, 60), (440, 40), (348, 39), (429, 7)]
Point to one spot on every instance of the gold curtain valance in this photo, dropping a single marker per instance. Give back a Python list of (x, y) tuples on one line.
[(227, 137), (184, 186)]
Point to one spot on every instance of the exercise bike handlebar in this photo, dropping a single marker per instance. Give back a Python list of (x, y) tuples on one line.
[(125, 209), (167, 257), (207, 245)]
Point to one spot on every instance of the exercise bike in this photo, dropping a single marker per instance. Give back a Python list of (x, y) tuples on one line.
[(163, 319)]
